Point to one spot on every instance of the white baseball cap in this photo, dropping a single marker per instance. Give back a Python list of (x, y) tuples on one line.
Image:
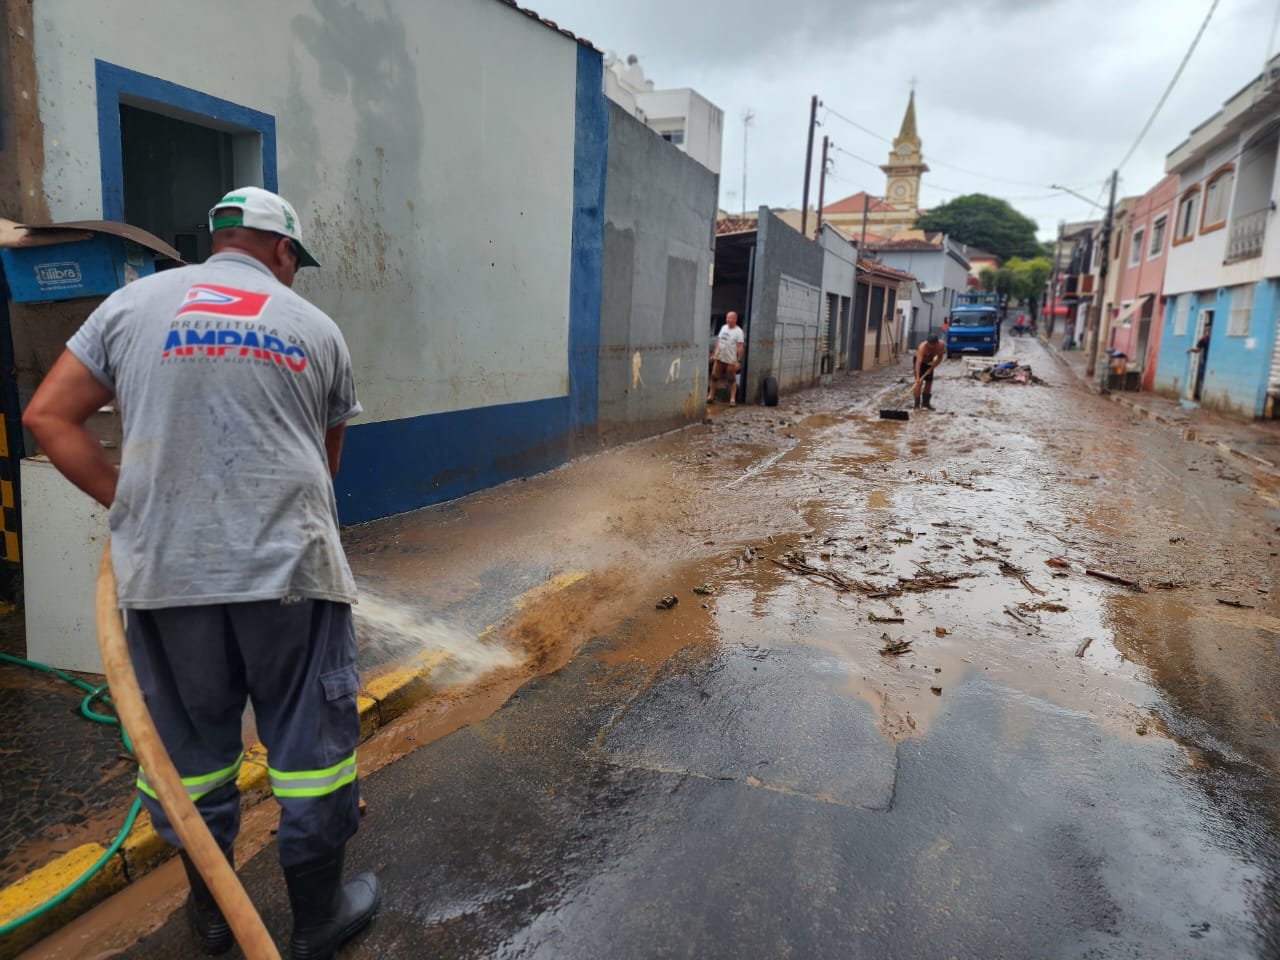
[(261, 210)]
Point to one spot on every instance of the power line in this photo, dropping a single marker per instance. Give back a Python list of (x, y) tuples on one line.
[(930, 158), (1172, 83)]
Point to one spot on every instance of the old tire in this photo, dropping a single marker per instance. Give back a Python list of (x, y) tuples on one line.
[(770, 390)]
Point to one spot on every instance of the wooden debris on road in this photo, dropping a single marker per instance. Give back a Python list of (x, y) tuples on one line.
[(1084, 645), (1049, 606), (1235, 603), (1060, 562), (894, 648), (796, 562), (878, 619), (1114, 578)]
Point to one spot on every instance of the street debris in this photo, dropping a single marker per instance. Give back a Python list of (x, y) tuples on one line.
[(748, 555), (796, 562), (878, 619), (1061, 563), (894, 648), (1084, 645), (1114, 578), (1235, 603), (1008, 372), (939, 631), (989, 544), (937, 691), (667, 602), (1021, 619), (1017, 573), (928, 580), (703, 589), (1049, 606)]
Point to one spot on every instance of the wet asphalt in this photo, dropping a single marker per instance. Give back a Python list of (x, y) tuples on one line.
[(756, 779)]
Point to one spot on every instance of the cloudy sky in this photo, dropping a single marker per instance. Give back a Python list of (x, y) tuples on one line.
[(1011, 95)]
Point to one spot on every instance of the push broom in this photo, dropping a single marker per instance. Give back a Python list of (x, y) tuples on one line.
[(893, 413)]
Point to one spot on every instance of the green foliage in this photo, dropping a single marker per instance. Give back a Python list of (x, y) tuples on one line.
[(1027, 279), (987, 277), (986, 222)]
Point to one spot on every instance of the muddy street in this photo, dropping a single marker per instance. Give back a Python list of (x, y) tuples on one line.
[(997, 681)]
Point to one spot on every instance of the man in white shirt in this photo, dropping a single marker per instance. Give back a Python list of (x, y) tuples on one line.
[(726, 357)]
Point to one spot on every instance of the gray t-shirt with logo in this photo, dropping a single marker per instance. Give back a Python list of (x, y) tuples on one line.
[(226, 381)]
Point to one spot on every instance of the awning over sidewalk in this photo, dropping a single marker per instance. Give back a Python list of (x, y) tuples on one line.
[(1127, 313)]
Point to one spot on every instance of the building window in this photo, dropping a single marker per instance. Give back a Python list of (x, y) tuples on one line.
[(1241, 307), (1188, 209), (1119, 245), (1135, 247), (673, 136), (1181, 312), (1217, 198), (1157, 237)]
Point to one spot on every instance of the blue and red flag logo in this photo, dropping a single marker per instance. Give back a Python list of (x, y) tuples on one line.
[(223, 301)]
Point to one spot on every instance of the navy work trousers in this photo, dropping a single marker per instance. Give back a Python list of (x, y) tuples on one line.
[(296, 662)]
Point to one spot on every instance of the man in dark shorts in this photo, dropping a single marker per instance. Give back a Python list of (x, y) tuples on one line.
[(928, 355)]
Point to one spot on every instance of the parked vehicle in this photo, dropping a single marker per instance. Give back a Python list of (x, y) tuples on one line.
[(975, 325)]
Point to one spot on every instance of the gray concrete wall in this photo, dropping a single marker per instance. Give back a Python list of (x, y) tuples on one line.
[(839, 266), (660, 209), (785, 306)]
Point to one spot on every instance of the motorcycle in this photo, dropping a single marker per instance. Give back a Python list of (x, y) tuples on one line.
[(1023, 327)]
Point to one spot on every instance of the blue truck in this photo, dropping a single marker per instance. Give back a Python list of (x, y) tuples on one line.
[(975, 324)]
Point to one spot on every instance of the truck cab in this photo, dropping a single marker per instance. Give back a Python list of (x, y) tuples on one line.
[(975, 325)]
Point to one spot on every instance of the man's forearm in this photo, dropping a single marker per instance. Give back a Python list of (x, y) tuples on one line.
[(79, 456)]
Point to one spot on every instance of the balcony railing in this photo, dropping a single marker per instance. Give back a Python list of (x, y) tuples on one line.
[(1247, 234)]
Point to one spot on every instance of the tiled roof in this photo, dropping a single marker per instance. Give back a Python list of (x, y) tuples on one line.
[(908, 245), (552, 24), (879, 269), (853, 204), (735, 225)]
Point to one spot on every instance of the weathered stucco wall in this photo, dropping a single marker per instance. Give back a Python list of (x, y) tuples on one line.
[(660, 209), (447, 160), (424, 145), (782, 336)]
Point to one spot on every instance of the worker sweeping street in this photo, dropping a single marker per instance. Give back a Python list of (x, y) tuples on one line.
[(234, 393), (928, 355)]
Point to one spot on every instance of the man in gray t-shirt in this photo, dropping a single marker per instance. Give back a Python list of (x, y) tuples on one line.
[(233, 393)]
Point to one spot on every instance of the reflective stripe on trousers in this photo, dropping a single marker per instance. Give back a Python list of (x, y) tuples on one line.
[(198, 785), (312, 783)]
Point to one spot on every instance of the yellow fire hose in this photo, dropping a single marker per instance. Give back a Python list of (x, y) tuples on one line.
[(163, 776)]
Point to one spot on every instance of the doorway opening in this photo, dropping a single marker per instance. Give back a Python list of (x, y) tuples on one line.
[(168, 152), (1198, 356)]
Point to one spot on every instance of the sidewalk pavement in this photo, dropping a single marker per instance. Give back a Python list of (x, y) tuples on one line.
[(430, 581), (1256, 442)]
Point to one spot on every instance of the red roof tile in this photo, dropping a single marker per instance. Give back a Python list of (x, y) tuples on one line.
[(879, 269), (551, 23), (735, 225), (853, 204)]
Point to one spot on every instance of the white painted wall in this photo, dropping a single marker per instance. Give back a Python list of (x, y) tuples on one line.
[(427, 144), (1198, 264), (701, 120)]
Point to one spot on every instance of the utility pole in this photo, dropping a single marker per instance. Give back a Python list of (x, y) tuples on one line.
[(822, 184), (1096, 315), (866, 206), (814, 103), (1053, 290), (747, 117)]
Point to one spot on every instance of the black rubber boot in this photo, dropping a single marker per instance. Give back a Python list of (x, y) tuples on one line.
[(926, 404), (326, 912), (210, 926)]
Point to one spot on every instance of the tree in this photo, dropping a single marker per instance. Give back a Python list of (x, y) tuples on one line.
[(986, 222), (1027, 279), (987, 277)]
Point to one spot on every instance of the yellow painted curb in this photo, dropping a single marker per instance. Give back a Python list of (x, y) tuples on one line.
[(380, 701), (42, 885)]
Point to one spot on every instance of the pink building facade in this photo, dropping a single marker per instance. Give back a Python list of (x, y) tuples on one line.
[(1141, 253)]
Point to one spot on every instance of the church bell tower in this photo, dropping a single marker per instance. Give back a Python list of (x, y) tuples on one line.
[(902, 186)]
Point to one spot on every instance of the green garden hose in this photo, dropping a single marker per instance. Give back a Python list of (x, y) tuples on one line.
[(92, 693)]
